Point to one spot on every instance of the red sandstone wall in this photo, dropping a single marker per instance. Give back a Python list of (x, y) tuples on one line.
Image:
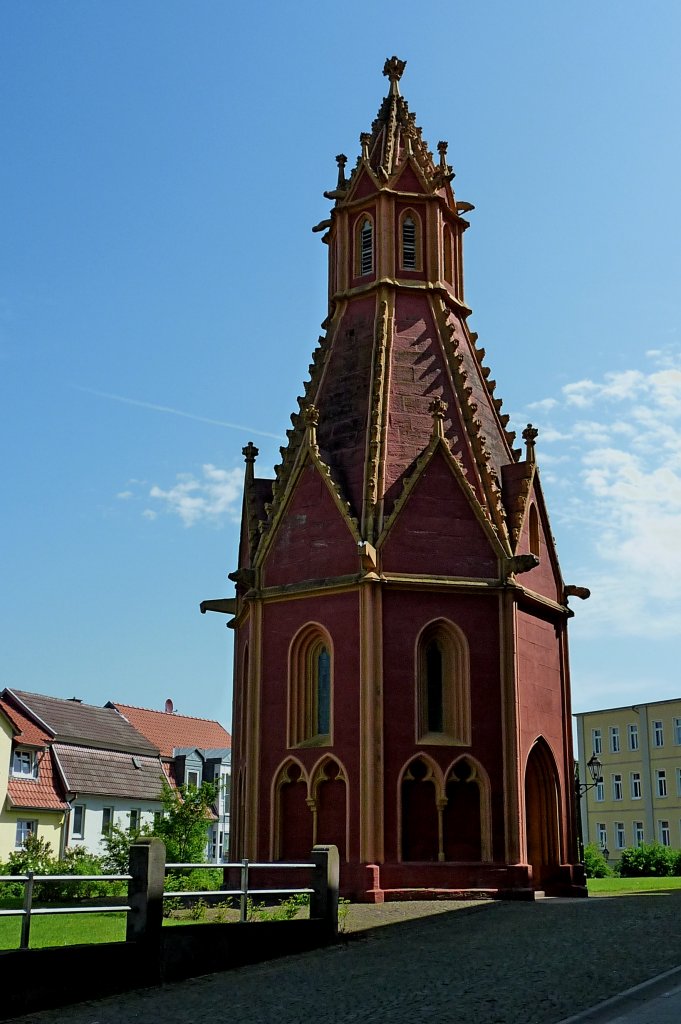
[(312, 540), (437, 531), (545, 579), (339, 614), (404, 616)]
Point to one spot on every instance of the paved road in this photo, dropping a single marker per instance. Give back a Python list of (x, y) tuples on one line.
[(491, 963)]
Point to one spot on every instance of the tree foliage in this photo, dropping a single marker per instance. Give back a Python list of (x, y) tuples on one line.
[(186, 815)]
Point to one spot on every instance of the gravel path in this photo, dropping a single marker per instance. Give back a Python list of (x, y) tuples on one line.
[(482, 963)]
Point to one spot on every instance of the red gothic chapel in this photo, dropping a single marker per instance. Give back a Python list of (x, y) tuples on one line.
[(401, 681)]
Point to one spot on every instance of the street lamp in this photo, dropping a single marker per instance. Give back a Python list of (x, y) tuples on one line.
[(595, 769)]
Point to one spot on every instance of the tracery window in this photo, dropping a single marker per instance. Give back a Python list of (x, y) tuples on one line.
[(310, 686), (442, 685)]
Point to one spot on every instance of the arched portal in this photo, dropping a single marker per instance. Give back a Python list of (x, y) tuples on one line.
[(541, 814)]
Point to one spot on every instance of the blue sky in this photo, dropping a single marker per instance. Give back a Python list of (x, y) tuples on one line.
[(161, 293)]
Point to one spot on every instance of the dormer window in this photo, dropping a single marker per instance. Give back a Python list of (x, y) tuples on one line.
[(25, 764), (366, 247)]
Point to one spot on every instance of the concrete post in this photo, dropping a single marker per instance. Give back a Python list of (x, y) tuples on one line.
[(145, 893), (324, 899)]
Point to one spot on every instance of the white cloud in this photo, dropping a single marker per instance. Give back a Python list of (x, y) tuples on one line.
[(622, 470), (124, 495), (214, 497), (149, 514), (544, 405)]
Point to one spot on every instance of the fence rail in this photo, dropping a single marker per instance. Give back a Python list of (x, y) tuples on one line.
[(244, 891), (28, 910)]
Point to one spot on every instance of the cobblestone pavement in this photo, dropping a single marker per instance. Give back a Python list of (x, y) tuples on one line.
[(487, 963)]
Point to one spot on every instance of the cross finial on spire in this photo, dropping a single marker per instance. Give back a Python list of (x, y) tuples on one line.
[(437, 409), (250, 453), (394, 69), (529, 437)]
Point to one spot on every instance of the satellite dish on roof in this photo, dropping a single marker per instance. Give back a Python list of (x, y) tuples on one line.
[(169, 707)]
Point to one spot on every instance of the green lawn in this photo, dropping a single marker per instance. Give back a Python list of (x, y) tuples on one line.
[(64, 930), (603, 886)]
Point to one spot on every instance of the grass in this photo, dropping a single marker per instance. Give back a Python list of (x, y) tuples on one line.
[(64, 930), (613, 886)]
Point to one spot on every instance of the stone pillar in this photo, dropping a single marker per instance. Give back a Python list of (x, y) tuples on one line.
[(145, 895), (324, 899)]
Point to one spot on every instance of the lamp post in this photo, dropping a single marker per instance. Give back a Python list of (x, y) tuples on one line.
[(595, 768)]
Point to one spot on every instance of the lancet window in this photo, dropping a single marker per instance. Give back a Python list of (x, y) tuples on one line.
[(310, 686), (442, 685)]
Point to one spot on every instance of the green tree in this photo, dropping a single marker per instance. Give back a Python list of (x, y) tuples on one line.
[(186, 815)]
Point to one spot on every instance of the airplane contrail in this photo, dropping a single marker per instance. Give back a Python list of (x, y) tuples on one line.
[(176, 412)]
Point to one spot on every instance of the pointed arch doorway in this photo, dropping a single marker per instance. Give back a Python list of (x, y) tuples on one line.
[(541, 815)]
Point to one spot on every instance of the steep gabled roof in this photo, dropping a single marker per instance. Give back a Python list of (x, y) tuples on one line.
[(26, 732), (109, 772), (73, 722), (169, 731)]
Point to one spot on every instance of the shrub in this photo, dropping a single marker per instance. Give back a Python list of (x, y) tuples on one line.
[(648, 860), (595, 864)]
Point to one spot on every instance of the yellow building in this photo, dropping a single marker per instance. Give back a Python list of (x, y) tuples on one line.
[(31, 801), (639, 799)]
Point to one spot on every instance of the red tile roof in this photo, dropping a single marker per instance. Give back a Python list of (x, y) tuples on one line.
[(169, 731), (43, 793), (27, 732)]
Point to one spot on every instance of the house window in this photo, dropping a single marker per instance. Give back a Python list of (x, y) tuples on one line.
[(443, 689), (632, 730), (663, 833), (77, 821), (678, 781), (638, 833), (596, 741), (619, 835), (310, 688), (600, 791), (534, 530), (601, 834), (658, 734), (617, 787), (193, 778), (158, 818), (24, 763), (677, 731), (635, 784), (135, 819), (614, 739), (25, 828), (661, 782), (366, 247), (107, 820), (409, 242)]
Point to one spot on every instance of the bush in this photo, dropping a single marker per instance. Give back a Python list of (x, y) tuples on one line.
[(595, 864), (648, 860)]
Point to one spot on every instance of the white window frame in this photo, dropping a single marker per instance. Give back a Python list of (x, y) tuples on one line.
[(597, 741), (661, 783), (638, 833), (600, 791), (24, 763), (193, 778), (635, 785), (614, 739), (664, 832), (620, 839), (109, 812), (678, 781), (136, 816), (602, 833), (617, 791), (632, 732), (25, 827), (658, 733), (677, 731), (77, 830)]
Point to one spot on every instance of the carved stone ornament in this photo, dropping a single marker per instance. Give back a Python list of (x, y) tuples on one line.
[(529, 437), (250, 452), (394, 68)]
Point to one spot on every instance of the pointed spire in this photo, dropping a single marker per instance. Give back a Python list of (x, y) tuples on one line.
[(529, 437)]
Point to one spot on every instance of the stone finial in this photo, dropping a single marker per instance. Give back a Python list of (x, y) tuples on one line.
[(250, 453), (437, 409), (529, 437), (394, 69), (365, 139), (442, 150), (341, 160), (311, 417)]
